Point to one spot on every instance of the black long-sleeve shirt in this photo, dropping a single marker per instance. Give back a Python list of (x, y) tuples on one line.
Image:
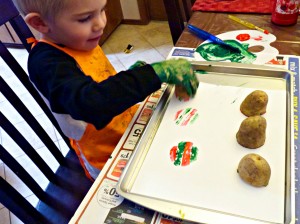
[(69, 91)]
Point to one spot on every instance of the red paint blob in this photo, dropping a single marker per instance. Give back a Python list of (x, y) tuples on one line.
[(243, 37), (258, 38)]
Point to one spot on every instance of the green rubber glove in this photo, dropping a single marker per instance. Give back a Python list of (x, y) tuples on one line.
[(137, 64), (178, 72)]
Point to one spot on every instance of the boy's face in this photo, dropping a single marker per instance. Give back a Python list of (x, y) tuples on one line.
[(79, 26)]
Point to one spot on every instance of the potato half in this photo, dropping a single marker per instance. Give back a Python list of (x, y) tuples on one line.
[(181, 93), (252, 132), (254, 170), (255, 103)]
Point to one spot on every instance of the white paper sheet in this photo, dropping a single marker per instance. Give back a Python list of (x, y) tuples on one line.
[(211, 182)]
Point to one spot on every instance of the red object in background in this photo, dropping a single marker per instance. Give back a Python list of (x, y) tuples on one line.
[(285, 12), (242, 6)]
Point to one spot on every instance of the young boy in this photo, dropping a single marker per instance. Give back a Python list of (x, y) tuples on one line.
[(92, 104)]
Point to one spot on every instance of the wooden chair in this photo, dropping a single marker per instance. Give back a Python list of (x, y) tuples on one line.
[(178, 12), (68, 185)]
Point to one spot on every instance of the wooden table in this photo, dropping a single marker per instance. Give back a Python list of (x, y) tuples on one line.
[(91, 211), (288, 37)]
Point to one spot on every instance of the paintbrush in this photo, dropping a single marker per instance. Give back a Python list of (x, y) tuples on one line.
[(247, 24), (208, 36)]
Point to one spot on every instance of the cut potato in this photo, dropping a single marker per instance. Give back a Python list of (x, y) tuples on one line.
[(252, 132), (255, 103), (181, 93), (254, 170)]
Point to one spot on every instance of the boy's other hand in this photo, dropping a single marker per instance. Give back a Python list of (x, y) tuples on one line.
[(178, 72)]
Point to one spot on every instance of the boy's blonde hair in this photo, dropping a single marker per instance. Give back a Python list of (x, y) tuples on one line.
[(48, 9)]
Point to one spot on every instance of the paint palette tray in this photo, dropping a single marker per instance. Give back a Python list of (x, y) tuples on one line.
[(205, 186)]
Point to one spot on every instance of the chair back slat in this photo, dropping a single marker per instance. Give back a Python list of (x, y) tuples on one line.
[(175, 19), (24, 79), (22, 30), (8, 11), (30, 119), (26, 147), (23, 174), (187, 7), (178, 12), (18, 205)]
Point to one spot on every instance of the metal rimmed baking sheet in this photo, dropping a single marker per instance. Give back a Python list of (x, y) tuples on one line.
[(209, 189)]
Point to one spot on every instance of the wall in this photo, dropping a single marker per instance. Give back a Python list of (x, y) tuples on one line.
[(130, 9)]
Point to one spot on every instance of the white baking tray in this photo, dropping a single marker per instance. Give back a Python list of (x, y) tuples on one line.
[(209, 190)]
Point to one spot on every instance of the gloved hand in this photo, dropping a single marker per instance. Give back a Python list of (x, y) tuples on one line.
[(178, 72), (137, 64)]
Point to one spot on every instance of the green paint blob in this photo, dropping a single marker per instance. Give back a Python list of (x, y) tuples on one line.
[(194, 153), (216, 52), (179, 153)]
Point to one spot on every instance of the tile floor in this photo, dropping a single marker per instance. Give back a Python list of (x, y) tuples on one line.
[(151, 43)]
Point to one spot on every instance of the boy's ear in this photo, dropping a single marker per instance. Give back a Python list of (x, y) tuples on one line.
[(35, 21)]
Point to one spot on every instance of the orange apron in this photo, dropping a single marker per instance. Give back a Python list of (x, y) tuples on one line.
[(95, 146)]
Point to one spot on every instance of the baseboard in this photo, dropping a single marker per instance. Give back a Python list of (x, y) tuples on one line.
[(135, 22)]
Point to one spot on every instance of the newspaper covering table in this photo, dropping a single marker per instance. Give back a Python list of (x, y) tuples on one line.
[(102, 204)]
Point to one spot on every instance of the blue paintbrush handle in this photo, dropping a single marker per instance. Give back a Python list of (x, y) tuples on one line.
[(207, 36)]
